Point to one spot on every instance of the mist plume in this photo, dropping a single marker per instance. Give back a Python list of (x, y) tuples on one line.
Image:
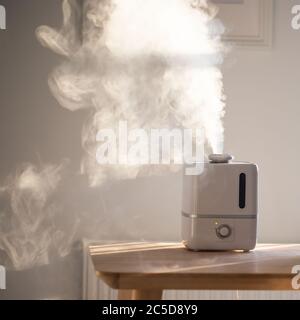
[(152, 63)]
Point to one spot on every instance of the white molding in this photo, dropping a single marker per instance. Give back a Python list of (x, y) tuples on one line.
[(92, 287), (265, 35)]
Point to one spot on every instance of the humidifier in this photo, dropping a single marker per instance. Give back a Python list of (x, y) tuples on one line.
[(219, 207)]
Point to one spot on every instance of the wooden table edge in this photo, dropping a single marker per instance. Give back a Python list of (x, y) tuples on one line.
[(213, 281)]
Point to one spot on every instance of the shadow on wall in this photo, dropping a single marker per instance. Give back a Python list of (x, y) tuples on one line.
[(140, 209), (114, 212), (59, 280)]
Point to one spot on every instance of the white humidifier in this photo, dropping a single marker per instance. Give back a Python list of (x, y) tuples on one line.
[(219, 207)]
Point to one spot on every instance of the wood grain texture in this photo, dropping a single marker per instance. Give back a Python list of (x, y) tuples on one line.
[(147, 294), (125, 294), (159, 266)]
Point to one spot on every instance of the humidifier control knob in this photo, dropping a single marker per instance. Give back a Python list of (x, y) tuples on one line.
[(223, 231)]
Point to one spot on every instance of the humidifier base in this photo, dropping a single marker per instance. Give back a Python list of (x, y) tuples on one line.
[(219, 232)]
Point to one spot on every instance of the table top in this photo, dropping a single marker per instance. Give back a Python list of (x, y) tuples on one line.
[(152, 265)]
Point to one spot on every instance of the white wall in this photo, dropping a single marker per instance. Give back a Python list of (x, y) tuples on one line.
[(262, 123)]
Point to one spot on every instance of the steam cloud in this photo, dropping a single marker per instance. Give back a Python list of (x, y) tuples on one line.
[(152, 63), (29, 229)]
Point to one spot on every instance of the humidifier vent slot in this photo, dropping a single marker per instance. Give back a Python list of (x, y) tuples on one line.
[(242, 191)]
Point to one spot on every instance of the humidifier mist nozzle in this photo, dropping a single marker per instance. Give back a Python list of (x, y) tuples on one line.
[(220, 158)]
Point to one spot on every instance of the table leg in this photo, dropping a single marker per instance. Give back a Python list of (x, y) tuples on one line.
[(147, 294), (125, 294)]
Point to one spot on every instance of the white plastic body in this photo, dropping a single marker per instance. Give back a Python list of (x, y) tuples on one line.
[(211, 200)]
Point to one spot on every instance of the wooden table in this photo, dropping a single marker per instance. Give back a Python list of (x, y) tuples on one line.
[(142, 270)]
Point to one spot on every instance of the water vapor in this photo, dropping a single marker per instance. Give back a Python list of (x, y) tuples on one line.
[(152, 63)]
